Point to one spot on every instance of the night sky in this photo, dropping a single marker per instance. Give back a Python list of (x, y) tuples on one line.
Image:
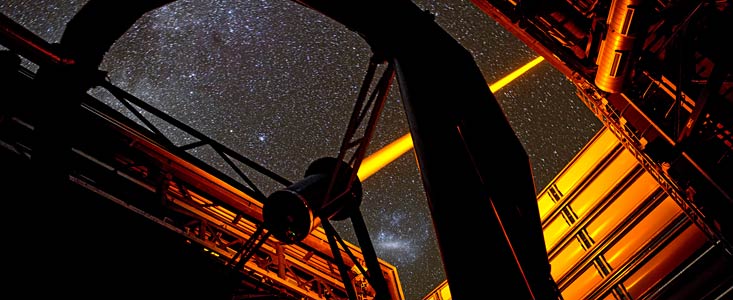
[(276, 82)]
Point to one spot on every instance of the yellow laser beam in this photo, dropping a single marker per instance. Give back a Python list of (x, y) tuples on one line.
[(377, 160), (514, 75)]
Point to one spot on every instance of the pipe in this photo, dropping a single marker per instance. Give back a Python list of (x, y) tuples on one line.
[(619, 48)]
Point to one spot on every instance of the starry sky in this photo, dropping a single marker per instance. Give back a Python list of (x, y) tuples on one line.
[(276, 82)]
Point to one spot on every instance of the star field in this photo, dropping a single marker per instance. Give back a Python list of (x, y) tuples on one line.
[(277, 82)]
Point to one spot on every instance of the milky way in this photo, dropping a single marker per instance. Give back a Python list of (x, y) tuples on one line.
[(276, 82)]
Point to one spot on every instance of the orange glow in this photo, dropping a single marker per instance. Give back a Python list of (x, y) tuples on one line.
[(598, 148), (566, 258), (602, 184), (618, 254), (579, 286), (663, 263), (394, 150), (622, 206)]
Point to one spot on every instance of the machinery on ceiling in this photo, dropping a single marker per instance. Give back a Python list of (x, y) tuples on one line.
[(659, 78), (655, 72)]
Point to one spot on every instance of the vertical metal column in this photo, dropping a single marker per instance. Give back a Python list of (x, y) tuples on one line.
[(475, 171)]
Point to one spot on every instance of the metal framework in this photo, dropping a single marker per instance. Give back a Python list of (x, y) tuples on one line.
[(135, 166)]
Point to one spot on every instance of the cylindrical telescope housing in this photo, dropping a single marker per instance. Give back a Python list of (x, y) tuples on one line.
[(292, 213)]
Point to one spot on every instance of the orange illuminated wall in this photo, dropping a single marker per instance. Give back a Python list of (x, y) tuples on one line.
[(610, 231)]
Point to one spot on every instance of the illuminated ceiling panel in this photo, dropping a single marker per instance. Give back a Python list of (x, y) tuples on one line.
[(613, 233)]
